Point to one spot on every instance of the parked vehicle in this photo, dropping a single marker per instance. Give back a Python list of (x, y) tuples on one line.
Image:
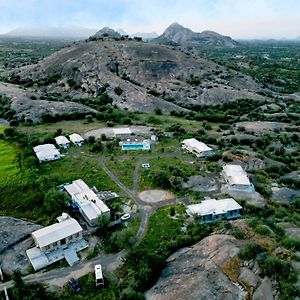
[(125, 217), (73, 283), (98, 275)]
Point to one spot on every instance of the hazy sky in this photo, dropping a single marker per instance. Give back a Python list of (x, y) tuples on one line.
[(237, 18)]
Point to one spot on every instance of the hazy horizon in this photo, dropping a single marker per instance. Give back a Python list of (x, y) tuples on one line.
[(261, 19)]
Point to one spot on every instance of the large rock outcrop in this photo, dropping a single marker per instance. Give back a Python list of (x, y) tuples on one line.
[(210, 270), (196, 274)]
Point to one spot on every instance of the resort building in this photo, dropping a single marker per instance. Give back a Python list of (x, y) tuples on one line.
[(55, 242), (212, 210), (86, 201), (135, 144), (62, 141), (46, 152), (236, 178), (76, 139), (196, 147)]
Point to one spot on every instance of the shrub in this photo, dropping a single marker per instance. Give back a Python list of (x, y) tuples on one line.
[(291, 243), (263, 230), (118, 91), (274, 267), (251, 251)]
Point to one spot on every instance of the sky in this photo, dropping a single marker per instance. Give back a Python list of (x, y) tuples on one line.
[(236, 18)]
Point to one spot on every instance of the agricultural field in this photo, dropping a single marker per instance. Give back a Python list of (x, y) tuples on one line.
[(8, 161)]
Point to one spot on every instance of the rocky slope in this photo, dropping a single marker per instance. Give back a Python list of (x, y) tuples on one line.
[(149, 75), (28, 104), (204, 271), (176, 34)]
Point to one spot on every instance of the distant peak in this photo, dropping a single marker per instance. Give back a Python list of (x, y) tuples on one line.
[(106, 31)]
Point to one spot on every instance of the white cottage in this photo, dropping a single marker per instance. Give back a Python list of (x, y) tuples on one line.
[(196, 147), (76, 139), (46, 152), (212, 210), (236, 178), (62, 141)]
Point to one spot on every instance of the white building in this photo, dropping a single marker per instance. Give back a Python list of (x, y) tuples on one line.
[(51, 237), (46, 152), (212, 210), (62, 141), (88, 203), (76, 139), (196, 147), (236, 178), (55, 242)]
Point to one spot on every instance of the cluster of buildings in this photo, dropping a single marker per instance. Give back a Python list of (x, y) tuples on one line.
[(48, 152), (65, 238)]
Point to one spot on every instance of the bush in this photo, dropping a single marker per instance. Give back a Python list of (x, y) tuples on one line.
[(274, 267), (291, 243), (118, 91), (263, 230), (251, 251)]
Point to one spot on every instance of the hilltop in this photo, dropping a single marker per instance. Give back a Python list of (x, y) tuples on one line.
[(134, 75), (176, 34)]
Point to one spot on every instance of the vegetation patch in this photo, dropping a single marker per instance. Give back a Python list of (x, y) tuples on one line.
[(8, 161)]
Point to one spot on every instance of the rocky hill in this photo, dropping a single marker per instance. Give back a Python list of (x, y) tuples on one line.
[(138, 76), (28, 103), (176, 34), (107, 32), (209, 270)]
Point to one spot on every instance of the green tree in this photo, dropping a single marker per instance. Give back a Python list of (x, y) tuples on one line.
[(55, 201), (103, 221)]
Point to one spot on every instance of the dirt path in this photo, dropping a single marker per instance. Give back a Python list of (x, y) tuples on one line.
[(59, 277)]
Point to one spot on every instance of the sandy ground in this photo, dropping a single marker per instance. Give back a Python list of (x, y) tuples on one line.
[(153, 196)]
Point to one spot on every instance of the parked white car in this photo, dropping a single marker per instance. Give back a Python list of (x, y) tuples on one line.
[(125, 217)]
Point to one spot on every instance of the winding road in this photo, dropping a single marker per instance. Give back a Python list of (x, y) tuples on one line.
[(59, 277)]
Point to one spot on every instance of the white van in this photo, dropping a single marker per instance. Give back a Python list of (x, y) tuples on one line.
[(98, 275)]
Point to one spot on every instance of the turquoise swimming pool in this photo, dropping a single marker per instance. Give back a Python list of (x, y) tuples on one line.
[(135, 147)]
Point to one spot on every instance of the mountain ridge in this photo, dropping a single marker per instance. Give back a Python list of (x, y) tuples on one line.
[(150, 76), (177, 34)]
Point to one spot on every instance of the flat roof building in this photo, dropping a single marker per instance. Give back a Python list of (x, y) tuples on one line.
[(55, 242), (46, 152), (76, 139), (196, 147), (88, 203), (212, 209), (55, 235), (62, 141), (236, 178)]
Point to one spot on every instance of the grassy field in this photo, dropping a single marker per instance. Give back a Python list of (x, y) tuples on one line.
[(162, 164), (8, 157), (124, 170), (23, 196)]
